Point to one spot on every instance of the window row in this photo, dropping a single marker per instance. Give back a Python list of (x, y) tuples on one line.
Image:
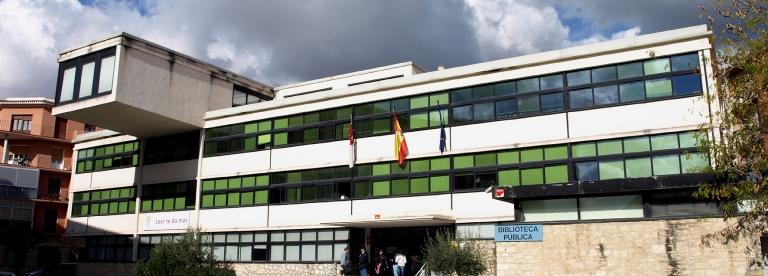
[(669, 141), (109, 249), (641, 166), (371, 119), (177, 147), (654, 205), (107, 157), (244, 96), (168, 197), (323, 245), (104, 202), (234, 199), (86, 76)]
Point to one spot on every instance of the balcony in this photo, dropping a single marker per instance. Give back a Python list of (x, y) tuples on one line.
[(39, 161), (26, 130), (53, 197), (133, 86)]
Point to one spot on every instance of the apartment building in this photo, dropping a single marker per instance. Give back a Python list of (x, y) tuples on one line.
[(35, 169), (594, 146)]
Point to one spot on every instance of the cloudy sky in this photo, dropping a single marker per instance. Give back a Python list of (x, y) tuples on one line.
[(280, 42)]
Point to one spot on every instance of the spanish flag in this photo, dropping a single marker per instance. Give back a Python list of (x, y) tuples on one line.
[(401, 147)]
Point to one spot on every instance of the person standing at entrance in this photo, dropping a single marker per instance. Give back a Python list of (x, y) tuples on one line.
[(363, 262), (381, 263), (399, 265), (344, 261)]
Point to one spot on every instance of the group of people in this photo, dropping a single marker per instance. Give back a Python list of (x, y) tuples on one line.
[(397, 265)]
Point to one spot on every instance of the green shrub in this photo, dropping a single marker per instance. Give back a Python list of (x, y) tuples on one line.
[(184, 256), (446, 254)]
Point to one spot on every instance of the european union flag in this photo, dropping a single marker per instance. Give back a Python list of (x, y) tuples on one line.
[(443, 147)]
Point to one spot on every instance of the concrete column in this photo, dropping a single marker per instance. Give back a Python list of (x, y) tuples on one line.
[(5, 149)]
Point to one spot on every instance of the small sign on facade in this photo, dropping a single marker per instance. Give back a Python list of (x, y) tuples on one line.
[(520, 233), (166, 221)]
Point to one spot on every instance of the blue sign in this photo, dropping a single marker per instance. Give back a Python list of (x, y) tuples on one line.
[(520, 233)]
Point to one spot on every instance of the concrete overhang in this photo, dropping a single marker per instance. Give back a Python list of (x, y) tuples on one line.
[(390, 222)]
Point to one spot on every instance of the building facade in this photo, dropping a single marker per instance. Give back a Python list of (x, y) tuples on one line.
[(597, 144), (35, 169)]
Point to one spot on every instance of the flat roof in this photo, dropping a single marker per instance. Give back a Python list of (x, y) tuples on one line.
[(616, 45), (352, 74)]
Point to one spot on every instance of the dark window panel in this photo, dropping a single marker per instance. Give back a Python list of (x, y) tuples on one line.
[(462, 114)]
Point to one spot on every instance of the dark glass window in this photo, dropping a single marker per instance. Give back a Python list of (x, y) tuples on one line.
[(603, 74), (528, 85), (606, 95), (483, 111), (587, 171), (552, 82), (506, 108), (685, 62), (171, 148), (686, 84), (295, 136), (552, 102), (482, 91), (505, 88), (462, 114), (580, 98), (578, 78), (528, 104), (633, 91), (484, 180), (464, 181), (462, 95)]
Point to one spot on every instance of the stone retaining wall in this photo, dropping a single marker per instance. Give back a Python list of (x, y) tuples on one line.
[(664, 247)]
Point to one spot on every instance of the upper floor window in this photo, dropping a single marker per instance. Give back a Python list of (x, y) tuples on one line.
[(21, 123), (244, 96), (86, 76), (89, 128)]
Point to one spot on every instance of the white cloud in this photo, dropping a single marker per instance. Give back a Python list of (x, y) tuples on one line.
[(240, 60), (507, 28), (631, 32)]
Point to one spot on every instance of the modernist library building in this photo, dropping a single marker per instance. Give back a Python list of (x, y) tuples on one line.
[(595, 145)]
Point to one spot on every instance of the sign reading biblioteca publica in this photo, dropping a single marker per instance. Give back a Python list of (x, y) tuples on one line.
[(520, 233)]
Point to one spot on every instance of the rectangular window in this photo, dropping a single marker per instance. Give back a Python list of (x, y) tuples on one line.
[(658, 88), (552, 102), (633, 91), (506, 108), (685, 62), (528, 85), (611, 207), (509, 178), (462, 114), (578, 78), (606, 95), (505, 88), (609, 147), (686, 84), (531, 155), (86, 80), (584, 150), (551, 82), (532, 176), (549, 210), (587, 171), (603, 74), (528, 104), (461, 95), (694, 162), (439, 184), (630, 70), (638, 167), (636, 144), (656, 66), (580, 98), (483, 111), (556, 174), (664, 142), (611, 169), (666, 165), (67, 85)]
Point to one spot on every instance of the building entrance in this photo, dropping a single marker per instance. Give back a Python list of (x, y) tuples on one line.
[(408, 240)]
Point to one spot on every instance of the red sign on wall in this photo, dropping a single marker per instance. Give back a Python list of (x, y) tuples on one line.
[(499, 192)]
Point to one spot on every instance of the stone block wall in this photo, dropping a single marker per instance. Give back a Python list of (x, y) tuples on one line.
[(662, 247), (106, 269), (275, 269)]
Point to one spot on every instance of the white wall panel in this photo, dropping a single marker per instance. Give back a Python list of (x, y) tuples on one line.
[(169, 172), (145, 220), (308, 214), (77, 225), (480, 206), (508, 133), (403, 206), (80, 181), (315, 155), (114, 224), (234, 164), (638, 118), (233, 218), (114, 178)]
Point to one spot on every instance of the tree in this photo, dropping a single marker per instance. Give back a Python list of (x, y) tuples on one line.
[(446, 254), (185, 256), (740, 155)]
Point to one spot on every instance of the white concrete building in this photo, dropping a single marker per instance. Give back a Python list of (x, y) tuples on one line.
[(600, 134)]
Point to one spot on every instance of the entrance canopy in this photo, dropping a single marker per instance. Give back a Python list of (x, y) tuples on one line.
[(390, 222)]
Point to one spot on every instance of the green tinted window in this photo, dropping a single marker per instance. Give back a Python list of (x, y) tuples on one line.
[(556, 174), (419, 166), (265, 139), (220, 200), (509, 178), (233, 199), (533, 176), (694, 162), (281, 138), (250, 143), (419, 102), (281, 123), (221, 184), (294, 121), (509, 157), (611, 169), (438, 99), (437, 164), (488, 159), (113, 207), (380, 188), (438, 184), (208, 185), (658, 88), (400, 187), (664, 165), (656, 66), (260, 197), (583, 150), (466, 161), (381, 126), (531, 155), (246, 198), (556, 153), (688, 140), (630, 70), (419, 185), (434, 117), (397, 169), (638, 167), (251, 128), (636, 144), (362, 189), (419, 120), (609, 147), (235, 183), (249, 181), (381, 169), (663, 142), (311, 118), (265, 125), (262, 180)]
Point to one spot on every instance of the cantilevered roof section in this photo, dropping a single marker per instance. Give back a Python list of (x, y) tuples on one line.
[(160, 51)]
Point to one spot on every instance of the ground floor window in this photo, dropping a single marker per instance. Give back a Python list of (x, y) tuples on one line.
[(109, 249)]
